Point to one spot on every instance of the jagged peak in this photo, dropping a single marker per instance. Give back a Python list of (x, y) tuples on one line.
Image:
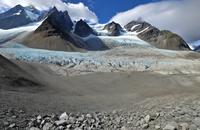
[(81, 21), (53, 10), (18, 6), (113, 22), (83, 29), (114, 28), (59, 20)]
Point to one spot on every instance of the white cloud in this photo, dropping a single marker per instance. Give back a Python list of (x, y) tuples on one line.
[(76, 11), (179, 16), (80, 11)]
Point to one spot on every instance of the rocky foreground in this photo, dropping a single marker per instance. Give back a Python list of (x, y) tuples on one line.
[(123, 101), (167, 113)]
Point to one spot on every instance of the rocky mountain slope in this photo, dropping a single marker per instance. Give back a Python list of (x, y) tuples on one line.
[(55, 34), (160, 39)]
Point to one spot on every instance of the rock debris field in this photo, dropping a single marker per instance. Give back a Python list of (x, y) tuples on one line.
[(152, 114)]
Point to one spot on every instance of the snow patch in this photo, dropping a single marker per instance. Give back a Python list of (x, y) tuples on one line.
[(143, 30), (123, 40), (134, 27), (18, 13)]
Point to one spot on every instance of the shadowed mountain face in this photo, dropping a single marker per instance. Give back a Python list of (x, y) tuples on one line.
[(83, 29), (160, 39), (13, 77), (114, 29), (59, 20), (18, 16)]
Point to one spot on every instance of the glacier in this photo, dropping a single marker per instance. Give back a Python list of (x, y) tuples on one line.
[(125, 39), (116, 60)]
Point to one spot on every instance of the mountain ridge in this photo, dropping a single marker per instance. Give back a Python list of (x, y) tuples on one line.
[(57, 25), (19, 16), (162, 39)]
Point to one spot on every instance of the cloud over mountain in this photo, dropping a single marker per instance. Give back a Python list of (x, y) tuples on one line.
[(76, 11), (179, 16)]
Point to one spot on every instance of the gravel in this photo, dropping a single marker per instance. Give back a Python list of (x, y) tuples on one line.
[(149, 115)]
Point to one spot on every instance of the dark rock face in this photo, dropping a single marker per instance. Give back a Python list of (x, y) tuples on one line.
[(160, 39), (18, 16), (114, 29), (58, 20), (83, 29)]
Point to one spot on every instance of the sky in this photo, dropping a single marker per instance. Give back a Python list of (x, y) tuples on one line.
[(179, 16), (106, 9)]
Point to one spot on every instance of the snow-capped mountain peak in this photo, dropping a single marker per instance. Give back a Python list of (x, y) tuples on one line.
[(19, 16)]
